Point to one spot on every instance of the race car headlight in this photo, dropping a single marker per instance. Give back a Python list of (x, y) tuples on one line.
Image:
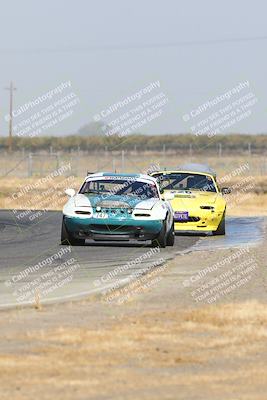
[(98, 209), (142, 214), (82, 212), (211, 208)]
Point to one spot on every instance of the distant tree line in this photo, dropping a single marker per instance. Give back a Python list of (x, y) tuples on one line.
[(178, 143)]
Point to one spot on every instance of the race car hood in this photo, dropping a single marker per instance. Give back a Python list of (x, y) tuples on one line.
[(196, 198), (113, 201)]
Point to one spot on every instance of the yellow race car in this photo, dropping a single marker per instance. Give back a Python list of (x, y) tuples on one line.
[(198, 202)]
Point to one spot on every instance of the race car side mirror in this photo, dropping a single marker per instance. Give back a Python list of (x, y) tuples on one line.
[(70, 192), (168, 196), (226, 190)]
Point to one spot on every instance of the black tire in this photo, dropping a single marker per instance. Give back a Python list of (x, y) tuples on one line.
[(221, 227), (67, 239), (161, 240), (171, 236)]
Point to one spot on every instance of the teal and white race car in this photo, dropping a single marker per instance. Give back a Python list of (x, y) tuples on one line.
[(117, 207)]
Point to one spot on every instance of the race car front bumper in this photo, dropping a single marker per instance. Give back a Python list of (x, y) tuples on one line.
[(112, 229), (207, 222)]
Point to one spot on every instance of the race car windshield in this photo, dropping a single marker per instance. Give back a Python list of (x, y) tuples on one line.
[(120, 188), (186, 181)]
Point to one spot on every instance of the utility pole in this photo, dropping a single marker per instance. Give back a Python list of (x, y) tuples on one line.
[(219, 149), (249, 149), (190, 151), (11, 88), (122, 161)]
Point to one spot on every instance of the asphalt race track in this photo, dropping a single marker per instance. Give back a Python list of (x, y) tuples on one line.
[(32, 256)]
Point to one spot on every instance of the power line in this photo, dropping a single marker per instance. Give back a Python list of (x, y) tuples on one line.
[(11, 89), (133, 46)]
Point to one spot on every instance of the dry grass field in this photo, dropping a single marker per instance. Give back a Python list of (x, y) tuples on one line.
[(218, 352)]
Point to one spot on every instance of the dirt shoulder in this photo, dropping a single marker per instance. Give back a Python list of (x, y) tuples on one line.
[(196, 330)]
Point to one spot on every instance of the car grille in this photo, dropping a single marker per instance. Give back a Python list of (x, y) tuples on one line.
[(112, 228), (115, 212)]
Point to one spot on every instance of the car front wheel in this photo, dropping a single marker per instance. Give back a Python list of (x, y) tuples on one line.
[(161, 240), (221, 227), (171, 236), (66, 237)]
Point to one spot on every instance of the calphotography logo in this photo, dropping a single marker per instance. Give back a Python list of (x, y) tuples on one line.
[(133, 112), (222, 112), (223, 278), (120, 269), (32, 201), (42, 113), (44, 278)]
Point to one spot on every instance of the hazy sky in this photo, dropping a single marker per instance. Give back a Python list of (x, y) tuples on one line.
[(112, 49)]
